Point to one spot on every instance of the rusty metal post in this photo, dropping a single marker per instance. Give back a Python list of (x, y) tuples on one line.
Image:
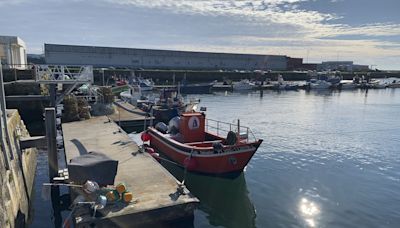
[(4, 136), (51, 134)]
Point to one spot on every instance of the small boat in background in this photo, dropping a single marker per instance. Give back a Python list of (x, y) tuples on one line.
[(134, 95), (244, 85), (189, 142), (395, 83), (319, 84), (281, 84), (377, 84), (169, 105), (346, 85), (143, 84), (323, 80)]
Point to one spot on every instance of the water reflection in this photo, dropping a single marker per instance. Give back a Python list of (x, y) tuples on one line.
[(224, 200), (309, 211)]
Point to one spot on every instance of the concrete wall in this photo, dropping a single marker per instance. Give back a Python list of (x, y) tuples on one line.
[(159, 59), (17, 173), (13, 52)]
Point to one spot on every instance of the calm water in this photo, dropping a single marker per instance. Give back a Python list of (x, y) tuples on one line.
[(329, 159)]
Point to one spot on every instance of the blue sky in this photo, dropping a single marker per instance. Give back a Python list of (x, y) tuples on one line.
[(366, 31)]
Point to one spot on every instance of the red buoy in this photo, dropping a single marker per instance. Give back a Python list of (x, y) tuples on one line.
[(190, 163), (145, 137)]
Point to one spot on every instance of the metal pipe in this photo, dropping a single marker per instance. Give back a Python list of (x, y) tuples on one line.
[(3, 122)]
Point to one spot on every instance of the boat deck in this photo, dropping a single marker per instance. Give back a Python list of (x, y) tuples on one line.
[(127, 115), (154, 188)]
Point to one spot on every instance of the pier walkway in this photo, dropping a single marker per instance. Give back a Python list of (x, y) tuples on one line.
[(154, 188)]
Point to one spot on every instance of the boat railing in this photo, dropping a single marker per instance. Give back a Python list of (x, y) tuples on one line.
[(221, 129)]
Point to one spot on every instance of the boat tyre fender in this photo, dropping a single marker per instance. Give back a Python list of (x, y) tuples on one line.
[(231, 138), (217, 147), (161, 127)]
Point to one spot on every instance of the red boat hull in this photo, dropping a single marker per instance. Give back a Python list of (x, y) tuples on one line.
[(204, 160)]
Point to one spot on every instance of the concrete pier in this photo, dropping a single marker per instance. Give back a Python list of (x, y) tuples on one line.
[(154, 188), (17, 174)]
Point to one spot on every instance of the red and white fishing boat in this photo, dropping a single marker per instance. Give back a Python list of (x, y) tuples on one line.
[(193, 146)]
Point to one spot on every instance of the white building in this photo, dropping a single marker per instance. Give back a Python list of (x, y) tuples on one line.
[(159, 59), (342, 66), (13, 52)]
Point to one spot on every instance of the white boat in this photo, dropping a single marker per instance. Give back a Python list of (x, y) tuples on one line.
[(377, 84), (145, 84), (319, 84), (281, 84), (344, 85), (133, 95), (244, 85), (394, 83)]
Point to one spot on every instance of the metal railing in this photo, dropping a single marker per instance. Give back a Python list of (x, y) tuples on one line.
[(16, 66), (63, 74), (221, 129)]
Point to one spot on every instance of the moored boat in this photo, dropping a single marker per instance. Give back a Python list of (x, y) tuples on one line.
[(134, 95), (319, 84), (377, 84), (244, 85), (347, 85), (189, 143), (281, 84), (143, 83), (394, 84)]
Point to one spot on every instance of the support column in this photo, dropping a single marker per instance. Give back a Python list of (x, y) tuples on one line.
[(51, 134)]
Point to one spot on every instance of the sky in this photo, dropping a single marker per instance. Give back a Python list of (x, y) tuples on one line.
[(364, 31)]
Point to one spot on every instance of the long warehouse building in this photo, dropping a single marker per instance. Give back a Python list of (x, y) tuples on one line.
[(160, 59)]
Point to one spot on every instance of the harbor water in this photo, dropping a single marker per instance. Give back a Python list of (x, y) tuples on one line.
[(329, 159)]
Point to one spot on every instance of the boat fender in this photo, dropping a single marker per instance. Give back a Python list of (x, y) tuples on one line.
[(145, 137), (231, 138), (190, 163), (149, 150), (156, 156), (174, 125), (217, 147)]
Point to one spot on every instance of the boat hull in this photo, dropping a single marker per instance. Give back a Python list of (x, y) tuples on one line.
[(233, 159)]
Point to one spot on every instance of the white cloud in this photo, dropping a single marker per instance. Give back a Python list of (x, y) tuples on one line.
[(249, 26), (290, 30), (11, 2), (313, 24)]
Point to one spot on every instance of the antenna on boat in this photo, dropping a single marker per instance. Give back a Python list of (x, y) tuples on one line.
[(151, 116), (238, 126)]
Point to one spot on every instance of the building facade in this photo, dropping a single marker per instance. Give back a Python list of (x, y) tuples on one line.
[(13, 52), (159, 59), (342, 66)]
